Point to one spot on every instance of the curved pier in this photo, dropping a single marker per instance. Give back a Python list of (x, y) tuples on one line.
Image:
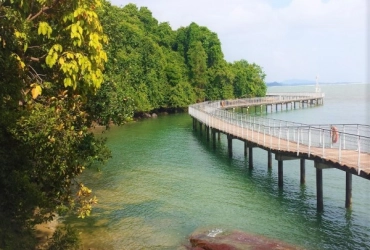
[(349, 152)]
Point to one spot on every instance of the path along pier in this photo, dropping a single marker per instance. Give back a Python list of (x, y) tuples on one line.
[(342, 146)]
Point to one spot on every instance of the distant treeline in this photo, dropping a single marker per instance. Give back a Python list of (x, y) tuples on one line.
[(305, 83), (150, 66)]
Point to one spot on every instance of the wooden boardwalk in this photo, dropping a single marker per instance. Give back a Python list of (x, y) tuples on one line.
[(342, 146), (344, 159)]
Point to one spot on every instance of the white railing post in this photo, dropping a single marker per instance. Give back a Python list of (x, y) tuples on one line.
[(287, 135), (298, 141), (344, 136), (309, 141), (359, 155), (279, 137), (246, 122), (253, 130), (241, 121), (323, 144), (340, 148)]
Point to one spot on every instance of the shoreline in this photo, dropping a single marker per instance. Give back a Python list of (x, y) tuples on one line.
[(44, 232)]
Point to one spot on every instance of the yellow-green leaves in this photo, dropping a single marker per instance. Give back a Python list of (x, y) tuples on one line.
[(85, 202), (44, 29), (21, 63), (36, 90), (53, 55), (81, 60), (76, 32)]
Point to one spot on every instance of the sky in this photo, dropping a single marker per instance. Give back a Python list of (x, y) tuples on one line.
[(289, 39)]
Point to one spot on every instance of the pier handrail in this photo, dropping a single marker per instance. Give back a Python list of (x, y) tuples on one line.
[(270, 99), (317, 140)]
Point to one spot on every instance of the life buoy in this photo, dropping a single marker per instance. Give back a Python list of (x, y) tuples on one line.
[(334, 134)]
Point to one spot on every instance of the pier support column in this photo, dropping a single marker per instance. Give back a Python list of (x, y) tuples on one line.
[(200, 128), (269, 159), (319, 190), (303, 171), (213, 132), (207, 132), (245, 149), (348, 189), (250, 157), (319, 187), (218, 135), (194, 124), (230, 145), (280, 174)]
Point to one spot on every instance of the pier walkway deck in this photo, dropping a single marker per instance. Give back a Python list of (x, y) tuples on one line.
[(342, 146)]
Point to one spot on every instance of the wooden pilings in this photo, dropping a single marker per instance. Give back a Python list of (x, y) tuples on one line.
[(280, 173), (207, 132), (248, 152), (279, 106), (348, 189), (200, 128), (250, 157), (213, 133), (303, 171), (230, 145), (269, 159), (319, 190)]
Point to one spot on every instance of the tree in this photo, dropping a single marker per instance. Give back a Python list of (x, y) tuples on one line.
[(249, 79), (197, 61), (52, 59)]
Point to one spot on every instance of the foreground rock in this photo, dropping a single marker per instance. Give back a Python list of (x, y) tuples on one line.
[(217, 239)]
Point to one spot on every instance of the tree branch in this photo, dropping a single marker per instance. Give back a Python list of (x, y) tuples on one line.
[(35, 59), (43, 9), (30, 17)]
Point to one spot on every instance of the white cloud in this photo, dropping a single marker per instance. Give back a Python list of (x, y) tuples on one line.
[(300, 40)]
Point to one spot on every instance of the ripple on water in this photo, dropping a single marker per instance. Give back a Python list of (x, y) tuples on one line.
[(165, 181)]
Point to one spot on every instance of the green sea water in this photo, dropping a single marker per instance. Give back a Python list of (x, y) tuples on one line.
[(165, 181)]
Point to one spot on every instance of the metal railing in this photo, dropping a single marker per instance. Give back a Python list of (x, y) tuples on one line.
[(271, 98), (347, 144)]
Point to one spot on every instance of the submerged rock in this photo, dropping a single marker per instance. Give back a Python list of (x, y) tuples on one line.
[(217, 239)]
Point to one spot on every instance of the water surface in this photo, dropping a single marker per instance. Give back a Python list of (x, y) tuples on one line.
[(166, 181)]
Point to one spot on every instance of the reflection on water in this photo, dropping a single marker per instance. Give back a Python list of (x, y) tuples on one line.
[(165, 181)]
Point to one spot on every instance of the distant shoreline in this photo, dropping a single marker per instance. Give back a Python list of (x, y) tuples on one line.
[(277, 84)]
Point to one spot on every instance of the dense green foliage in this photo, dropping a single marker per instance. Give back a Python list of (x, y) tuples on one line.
[(153, 67), (51, 59), (59, 73)]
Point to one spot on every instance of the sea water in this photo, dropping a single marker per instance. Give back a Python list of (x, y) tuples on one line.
[(165, 181)]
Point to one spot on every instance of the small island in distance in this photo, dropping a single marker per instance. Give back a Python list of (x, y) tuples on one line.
[(297, 82)]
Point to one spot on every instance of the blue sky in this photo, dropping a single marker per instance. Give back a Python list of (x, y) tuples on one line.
[(289, 39)]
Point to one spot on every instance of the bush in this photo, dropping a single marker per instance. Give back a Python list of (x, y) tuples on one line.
[(65, 237)]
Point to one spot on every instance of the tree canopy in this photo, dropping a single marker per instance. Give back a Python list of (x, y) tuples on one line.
[(52, 59), (155, 67), (66, 64)]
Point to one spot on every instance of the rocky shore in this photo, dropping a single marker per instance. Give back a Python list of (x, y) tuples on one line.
[(219, 239)]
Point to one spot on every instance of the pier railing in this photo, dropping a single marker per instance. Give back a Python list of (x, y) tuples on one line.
[(271, 98), (346, 144)]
